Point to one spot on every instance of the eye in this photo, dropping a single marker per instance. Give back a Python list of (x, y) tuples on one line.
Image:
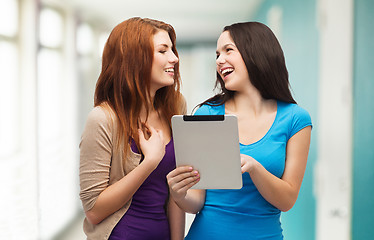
[(229, 49), (162, 51)]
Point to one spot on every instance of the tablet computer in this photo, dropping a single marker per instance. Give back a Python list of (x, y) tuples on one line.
[(209, 143)]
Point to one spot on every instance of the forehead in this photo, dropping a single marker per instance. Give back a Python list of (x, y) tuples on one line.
[(224, 39), (161, 37)]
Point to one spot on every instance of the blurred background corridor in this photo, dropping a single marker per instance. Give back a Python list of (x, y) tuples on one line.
[(50, 59)]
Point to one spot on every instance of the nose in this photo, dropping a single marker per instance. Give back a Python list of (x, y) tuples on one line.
[(220, 60), (173, 58)]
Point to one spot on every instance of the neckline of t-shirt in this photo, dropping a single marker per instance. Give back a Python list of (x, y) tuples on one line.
[(266, 134)]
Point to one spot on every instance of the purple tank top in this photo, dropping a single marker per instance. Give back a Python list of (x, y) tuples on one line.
[(146, 218)]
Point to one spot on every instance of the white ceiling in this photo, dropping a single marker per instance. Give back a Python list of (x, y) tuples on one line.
[(193, 20)]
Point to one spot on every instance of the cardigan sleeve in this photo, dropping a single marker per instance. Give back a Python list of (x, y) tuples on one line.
[(95, 157)]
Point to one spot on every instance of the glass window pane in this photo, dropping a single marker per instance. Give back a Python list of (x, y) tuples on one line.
[(49, 132), (49, 95), (8, 17), (55, 164), (51, 28), (102, 41), (9, 122), (85, 38)]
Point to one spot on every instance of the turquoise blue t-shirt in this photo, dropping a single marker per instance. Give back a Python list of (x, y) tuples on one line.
[(243, 213)]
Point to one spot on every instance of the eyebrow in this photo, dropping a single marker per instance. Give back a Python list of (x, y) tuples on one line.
[(164, 45), (225, 46)]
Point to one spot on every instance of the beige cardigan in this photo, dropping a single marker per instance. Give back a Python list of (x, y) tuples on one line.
[(100, 167)]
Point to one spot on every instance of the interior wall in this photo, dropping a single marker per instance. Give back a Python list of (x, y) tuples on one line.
[(297, 32), (334, 185), (198, 72), (363, 122)]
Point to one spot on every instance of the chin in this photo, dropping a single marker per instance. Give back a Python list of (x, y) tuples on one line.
[(233, 89), (170, 82), (166, 84), (230, 87)]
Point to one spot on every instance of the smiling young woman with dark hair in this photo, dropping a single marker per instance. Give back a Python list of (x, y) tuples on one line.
[(274, 135), (126, 149), (264, 60)]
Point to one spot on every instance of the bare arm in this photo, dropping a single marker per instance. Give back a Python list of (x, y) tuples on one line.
[(180, 181), (282, 192), (177, 219), (116, 195)]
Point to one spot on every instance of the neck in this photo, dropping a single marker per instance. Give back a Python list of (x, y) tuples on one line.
[(144, 112), (252, 103)]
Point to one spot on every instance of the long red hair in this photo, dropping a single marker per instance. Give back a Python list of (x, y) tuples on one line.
[(124, 81)]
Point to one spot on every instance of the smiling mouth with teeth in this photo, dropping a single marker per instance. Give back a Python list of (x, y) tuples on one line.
[(226, 71), (169, 70)]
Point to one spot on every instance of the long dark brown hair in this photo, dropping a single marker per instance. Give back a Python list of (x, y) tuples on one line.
[(124, 82), (264, 59)]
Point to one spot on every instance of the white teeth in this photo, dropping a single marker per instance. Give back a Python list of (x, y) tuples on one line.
[(169, 70), (227, 70)]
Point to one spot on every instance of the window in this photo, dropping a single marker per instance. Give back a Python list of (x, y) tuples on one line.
[(51, 96), (85, 39), (9, 18), (9, 64), (51, 28)]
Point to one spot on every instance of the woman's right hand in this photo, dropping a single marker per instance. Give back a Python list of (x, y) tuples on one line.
[(180, 180), (153, 148)]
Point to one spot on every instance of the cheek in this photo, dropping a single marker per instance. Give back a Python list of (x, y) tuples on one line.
[(157, 61)]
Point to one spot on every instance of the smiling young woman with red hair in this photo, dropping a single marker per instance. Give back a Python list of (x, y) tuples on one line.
[(126, 149)]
